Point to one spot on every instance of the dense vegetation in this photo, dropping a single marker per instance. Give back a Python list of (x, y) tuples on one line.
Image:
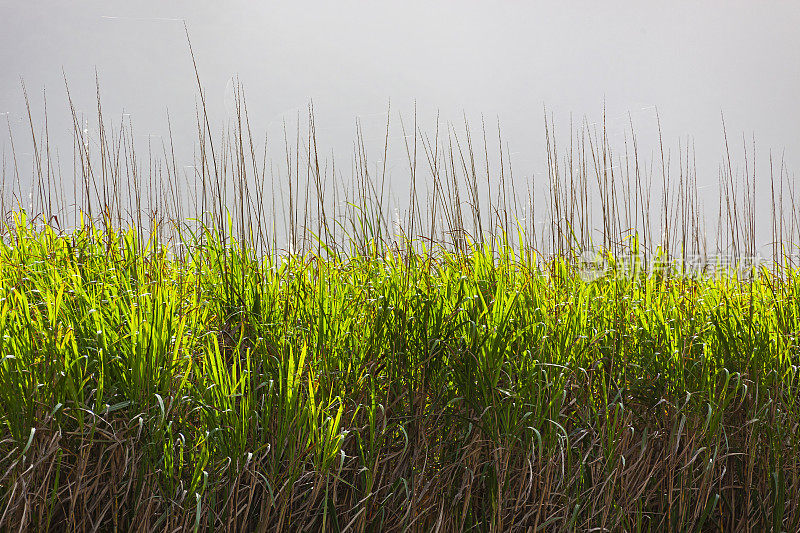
[(163, 373), (394, 390)]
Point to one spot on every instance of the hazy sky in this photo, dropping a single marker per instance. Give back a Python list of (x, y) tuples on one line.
[(504, 60)]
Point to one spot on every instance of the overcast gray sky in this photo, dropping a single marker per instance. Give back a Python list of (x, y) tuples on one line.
[(504, 60)]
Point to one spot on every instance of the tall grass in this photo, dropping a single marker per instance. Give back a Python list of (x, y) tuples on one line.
[(174, 360)]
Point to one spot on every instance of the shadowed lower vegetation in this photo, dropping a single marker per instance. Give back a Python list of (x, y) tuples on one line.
[(163, 374)]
